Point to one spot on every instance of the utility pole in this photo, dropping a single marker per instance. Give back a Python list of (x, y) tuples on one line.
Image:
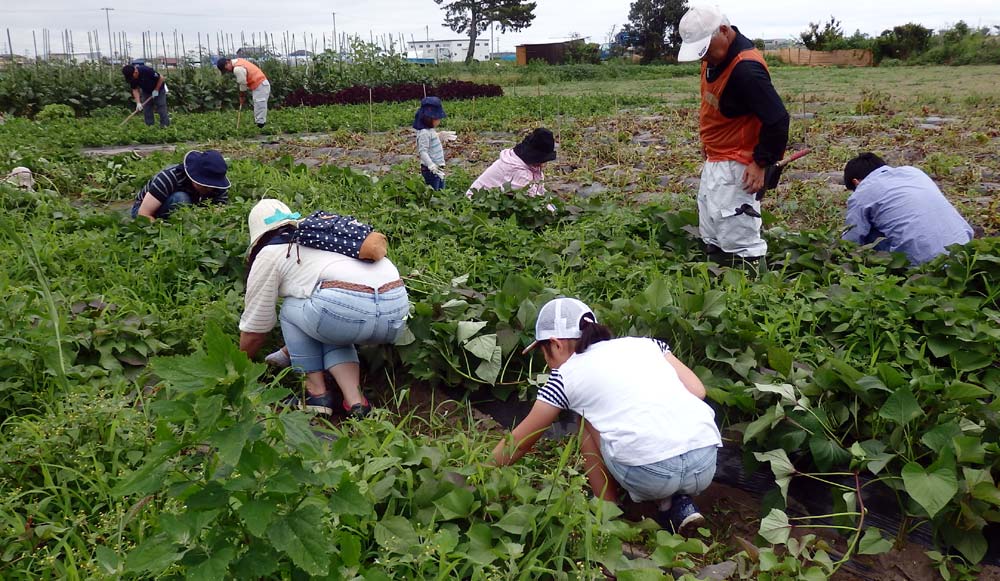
[(107, 18), (335, 30)]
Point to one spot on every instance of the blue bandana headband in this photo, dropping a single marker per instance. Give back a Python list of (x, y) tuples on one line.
[(279, 216)]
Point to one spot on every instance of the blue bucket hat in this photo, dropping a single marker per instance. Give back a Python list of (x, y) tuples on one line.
[(206, 168), (431, 108)]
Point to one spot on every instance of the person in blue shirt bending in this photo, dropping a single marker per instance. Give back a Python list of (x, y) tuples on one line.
[(147, 85), (903, 207)]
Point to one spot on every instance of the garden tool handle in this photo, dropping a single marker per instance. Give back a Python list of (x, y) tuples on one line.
[(131, 115)]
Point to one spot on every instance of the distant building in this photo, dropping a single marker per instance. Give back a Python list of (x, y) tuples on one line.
[(445, 51), (776, 43), (553, 53), (71, 57)]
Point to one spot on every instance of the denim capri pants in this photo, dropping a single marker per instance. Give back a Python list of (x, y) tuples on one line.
[(689, 473), (322, 330)]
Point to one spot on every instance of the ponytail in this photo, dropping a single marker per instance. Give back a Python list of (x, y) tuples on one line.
[(591, 332)]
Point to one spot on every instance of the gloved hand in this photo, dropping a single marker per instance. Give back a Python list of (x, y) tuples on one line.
[(155, 93), (438, 170), (138, 106), (447, 135)]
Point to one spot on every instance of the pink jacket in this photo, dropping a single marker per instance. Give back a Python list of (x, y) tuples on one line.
[(510, 172)]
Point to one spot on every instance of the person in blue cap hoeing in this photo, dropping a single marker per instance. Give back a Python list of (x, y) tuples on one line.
[(429, 147), (200, 178), (147, 85)]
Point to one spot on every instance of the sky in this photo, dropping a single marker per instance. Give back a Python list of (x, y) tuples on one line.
[(417, 19)]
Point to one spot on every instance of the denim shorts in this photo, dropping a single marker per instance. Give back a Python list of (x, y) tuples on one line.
[(689, 473), (322, 330)]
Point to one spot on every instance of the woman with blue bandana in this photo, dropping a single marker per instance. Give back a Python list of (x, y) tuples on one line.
[(330, 303)]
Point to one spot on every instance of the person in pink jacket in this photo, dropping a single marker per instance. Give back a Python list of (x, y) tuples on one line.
[(520, 167)]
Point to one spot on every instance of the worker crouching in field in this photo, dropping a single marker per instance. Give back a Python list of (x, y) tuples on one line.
[(249, 77), (743, 128), (521, 166), (200, 178), (149, 92), (332, 302), (903, 207), (645, 426)]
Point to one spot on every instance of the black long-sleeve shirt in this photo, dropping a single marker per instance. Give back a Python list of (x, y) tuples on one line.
[(750, 92)]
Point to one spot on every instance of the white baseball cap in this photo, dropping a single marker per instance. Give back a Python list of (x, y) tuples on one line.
[(697, 27), (560, 319)]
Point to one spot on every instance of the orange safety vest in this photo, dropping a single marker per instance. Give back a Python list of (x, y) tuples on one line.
[(724, 138), (255, 76)]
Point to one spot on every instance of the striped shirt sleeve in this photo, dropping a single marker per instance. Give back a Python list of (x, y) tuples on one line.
[(553, 392), (261, 301), (163, 184), (662, 345)]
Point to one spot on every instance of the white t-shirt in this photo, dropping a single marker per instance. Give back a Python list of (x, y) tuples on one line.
[(276, 272), (628, 391)]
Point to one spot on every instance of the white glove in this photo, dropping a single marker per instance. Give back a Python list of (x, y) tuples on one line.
[(155, 93), (447, 135), (138, 107), (438, 170)]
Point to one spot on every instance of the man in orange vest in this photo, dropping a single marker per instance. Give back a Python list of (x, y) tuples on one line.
[(249, 76), (743, 128)]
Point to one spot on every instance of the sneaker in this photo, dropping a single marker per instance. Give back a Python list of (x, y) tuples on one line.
[(682, 517), (320, 404), (279, 359), (359, 410)]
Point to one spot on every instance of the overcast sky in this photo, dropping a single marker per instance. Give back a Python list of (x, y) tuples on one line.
[(554, 19)]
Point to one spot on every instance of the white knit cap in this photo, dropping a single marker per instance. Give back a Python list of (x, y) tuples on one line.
[(268, 214)]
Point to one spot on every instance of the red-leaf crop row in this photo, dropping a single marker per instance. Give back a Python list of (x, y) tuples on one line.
[(448, 91)]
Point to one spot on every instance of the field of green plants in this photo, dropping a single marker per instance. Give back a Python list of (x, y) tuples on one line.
[(136, 441)]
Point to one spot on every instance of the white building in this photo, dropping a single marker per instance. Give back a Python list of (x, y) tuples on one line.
[(449, 50)]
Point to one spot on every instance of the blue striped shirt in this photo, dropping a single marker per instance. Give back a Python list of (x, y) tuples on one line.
[(175, 179)]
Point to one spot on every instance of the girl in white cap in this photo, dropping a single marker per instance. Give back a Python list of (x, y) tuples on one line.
[(331, 302), (645, 426)]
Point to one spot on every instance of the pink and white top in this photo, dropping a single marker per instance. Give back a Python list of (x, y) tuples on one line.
[(510, 172)]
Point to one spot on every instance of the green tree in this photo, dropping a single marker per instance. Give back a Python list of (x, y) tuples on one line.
[(902, 42), (653, 24), (830, 37), (473, 17)]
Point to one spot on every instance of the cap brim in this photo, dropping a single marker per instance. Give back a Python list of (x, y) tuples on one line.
[(694, 51), (529, 348)]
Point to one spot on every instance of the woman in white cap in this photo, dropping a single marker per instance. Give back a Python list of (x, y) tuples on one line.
[(201, 177), (646, 427), (332, 302)]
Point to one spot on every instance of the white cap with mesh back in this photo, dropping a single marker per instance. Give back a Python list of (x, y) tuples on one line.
[(696, 28), (560, 319)]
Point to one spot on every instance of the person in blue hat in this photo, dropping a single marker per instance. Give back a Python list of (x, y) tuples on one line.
[(429, 147), (200, 178)]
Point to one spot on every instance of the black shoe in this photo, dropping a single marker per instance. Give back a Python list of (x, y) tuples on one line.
[(260, 125), (359, 410), (684, 516), (320, 404)]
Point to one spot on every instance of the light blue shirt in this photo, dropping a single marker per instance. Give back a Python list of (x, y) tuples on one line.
[(903, 205), (429, 148)]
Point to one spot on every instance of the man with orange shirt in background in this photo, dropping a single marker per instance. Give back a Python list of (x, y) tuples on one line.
[(743, 129), (249, 77)]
